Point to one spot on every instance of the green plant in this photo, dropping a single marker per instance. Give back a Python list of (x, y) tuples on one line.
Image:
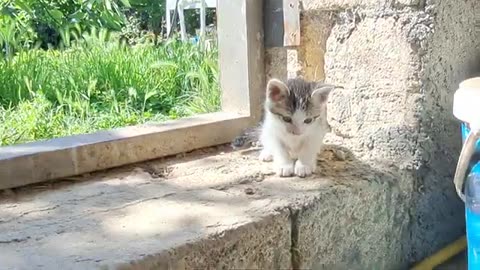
[(98, 83), (150, 14), (54, 22), (15, 32)]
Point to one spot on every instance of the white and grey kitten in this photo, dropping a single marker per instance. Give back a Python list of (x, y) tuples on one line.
[(294, 126)]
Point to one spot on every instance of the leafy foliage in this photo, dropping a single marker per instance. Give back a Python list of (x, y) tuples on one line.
[(53, 22), (78, 66), (97, 84), (25, 24)]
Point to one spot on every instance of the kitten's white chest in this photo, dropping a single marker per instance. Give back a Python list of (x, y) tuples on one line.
[(294, 144)]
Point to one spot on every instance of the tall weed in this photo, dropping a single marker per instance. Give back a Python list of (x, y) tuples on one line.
[(99, 84)]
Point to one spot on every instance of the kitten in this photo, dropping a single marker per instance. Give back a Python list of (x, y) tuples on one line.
[(294, 126)]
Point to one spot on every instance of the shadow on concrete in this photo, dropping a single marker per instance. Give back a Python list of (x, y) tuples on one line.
[(170, 201)]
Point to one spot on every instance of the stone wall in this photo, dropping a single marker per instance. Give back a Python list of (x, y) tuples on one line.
[(399, 63)]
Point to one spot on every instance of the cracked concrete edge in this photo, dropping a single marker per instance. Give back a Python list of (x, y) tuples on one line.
[(329, 229), (369, 230), (262, 244)]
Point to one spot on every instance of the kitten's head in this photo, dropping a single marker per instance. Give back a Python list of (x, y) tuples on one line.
[(298, 105)]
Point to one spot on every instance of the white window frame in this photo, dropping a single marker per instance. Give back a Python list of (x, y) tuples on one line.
[(242, 80)]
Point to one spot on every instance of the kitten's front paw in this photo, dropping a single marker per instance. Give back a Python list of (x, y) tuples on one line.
[(302, 170), (285, 170), (265, 156)]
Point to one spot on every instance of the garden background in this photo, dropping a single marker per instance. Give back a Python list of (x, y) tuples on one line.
[(79, 66)]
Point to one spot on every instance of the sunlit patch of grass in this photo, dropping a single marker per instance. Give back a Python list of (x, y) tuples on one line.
[(101, 85)]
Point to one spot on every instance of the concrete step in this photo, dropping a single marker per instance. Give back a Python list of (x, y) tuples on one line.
[(211, 209)]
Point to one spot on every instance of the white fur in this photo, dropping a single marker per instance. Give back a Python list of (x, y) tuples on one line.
[(293, 154)]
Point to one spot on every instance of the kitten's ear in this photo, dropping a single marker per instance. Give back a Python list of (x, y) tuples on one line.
[(276, 90), (320, 95)]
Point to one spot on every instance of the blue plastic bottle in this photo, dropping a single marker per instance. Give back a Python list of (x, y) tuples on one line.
[(472, 206)]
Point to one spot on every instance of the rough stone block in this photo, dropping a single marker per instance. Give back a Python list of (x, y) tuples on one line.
[(368, 230), (400, 69), (372, 59), (258, 245), (351, 4), (208, 211), (399, 63)]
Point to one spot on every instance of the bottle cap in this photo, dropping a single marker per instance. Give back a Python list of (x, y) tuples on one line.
[(466, 102)]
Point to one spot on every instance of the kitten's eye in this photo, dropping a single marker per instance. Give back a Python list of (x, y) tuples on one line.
[(308, 120), (287, 119)]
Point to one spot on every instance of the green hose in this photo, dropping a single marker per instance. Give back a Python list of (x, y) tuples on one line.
[(442, 255)]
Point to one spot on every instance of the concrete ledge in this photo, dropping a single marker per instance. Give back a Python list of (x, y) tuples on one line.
[(214, 210), (62, 157)]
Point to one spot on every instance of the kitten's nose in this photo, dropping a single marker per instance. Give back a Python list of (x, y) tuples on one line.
[(295, 131)]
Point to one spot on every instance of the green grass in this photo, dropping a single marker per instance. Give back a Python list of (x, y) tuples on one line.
[(102, 85)]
